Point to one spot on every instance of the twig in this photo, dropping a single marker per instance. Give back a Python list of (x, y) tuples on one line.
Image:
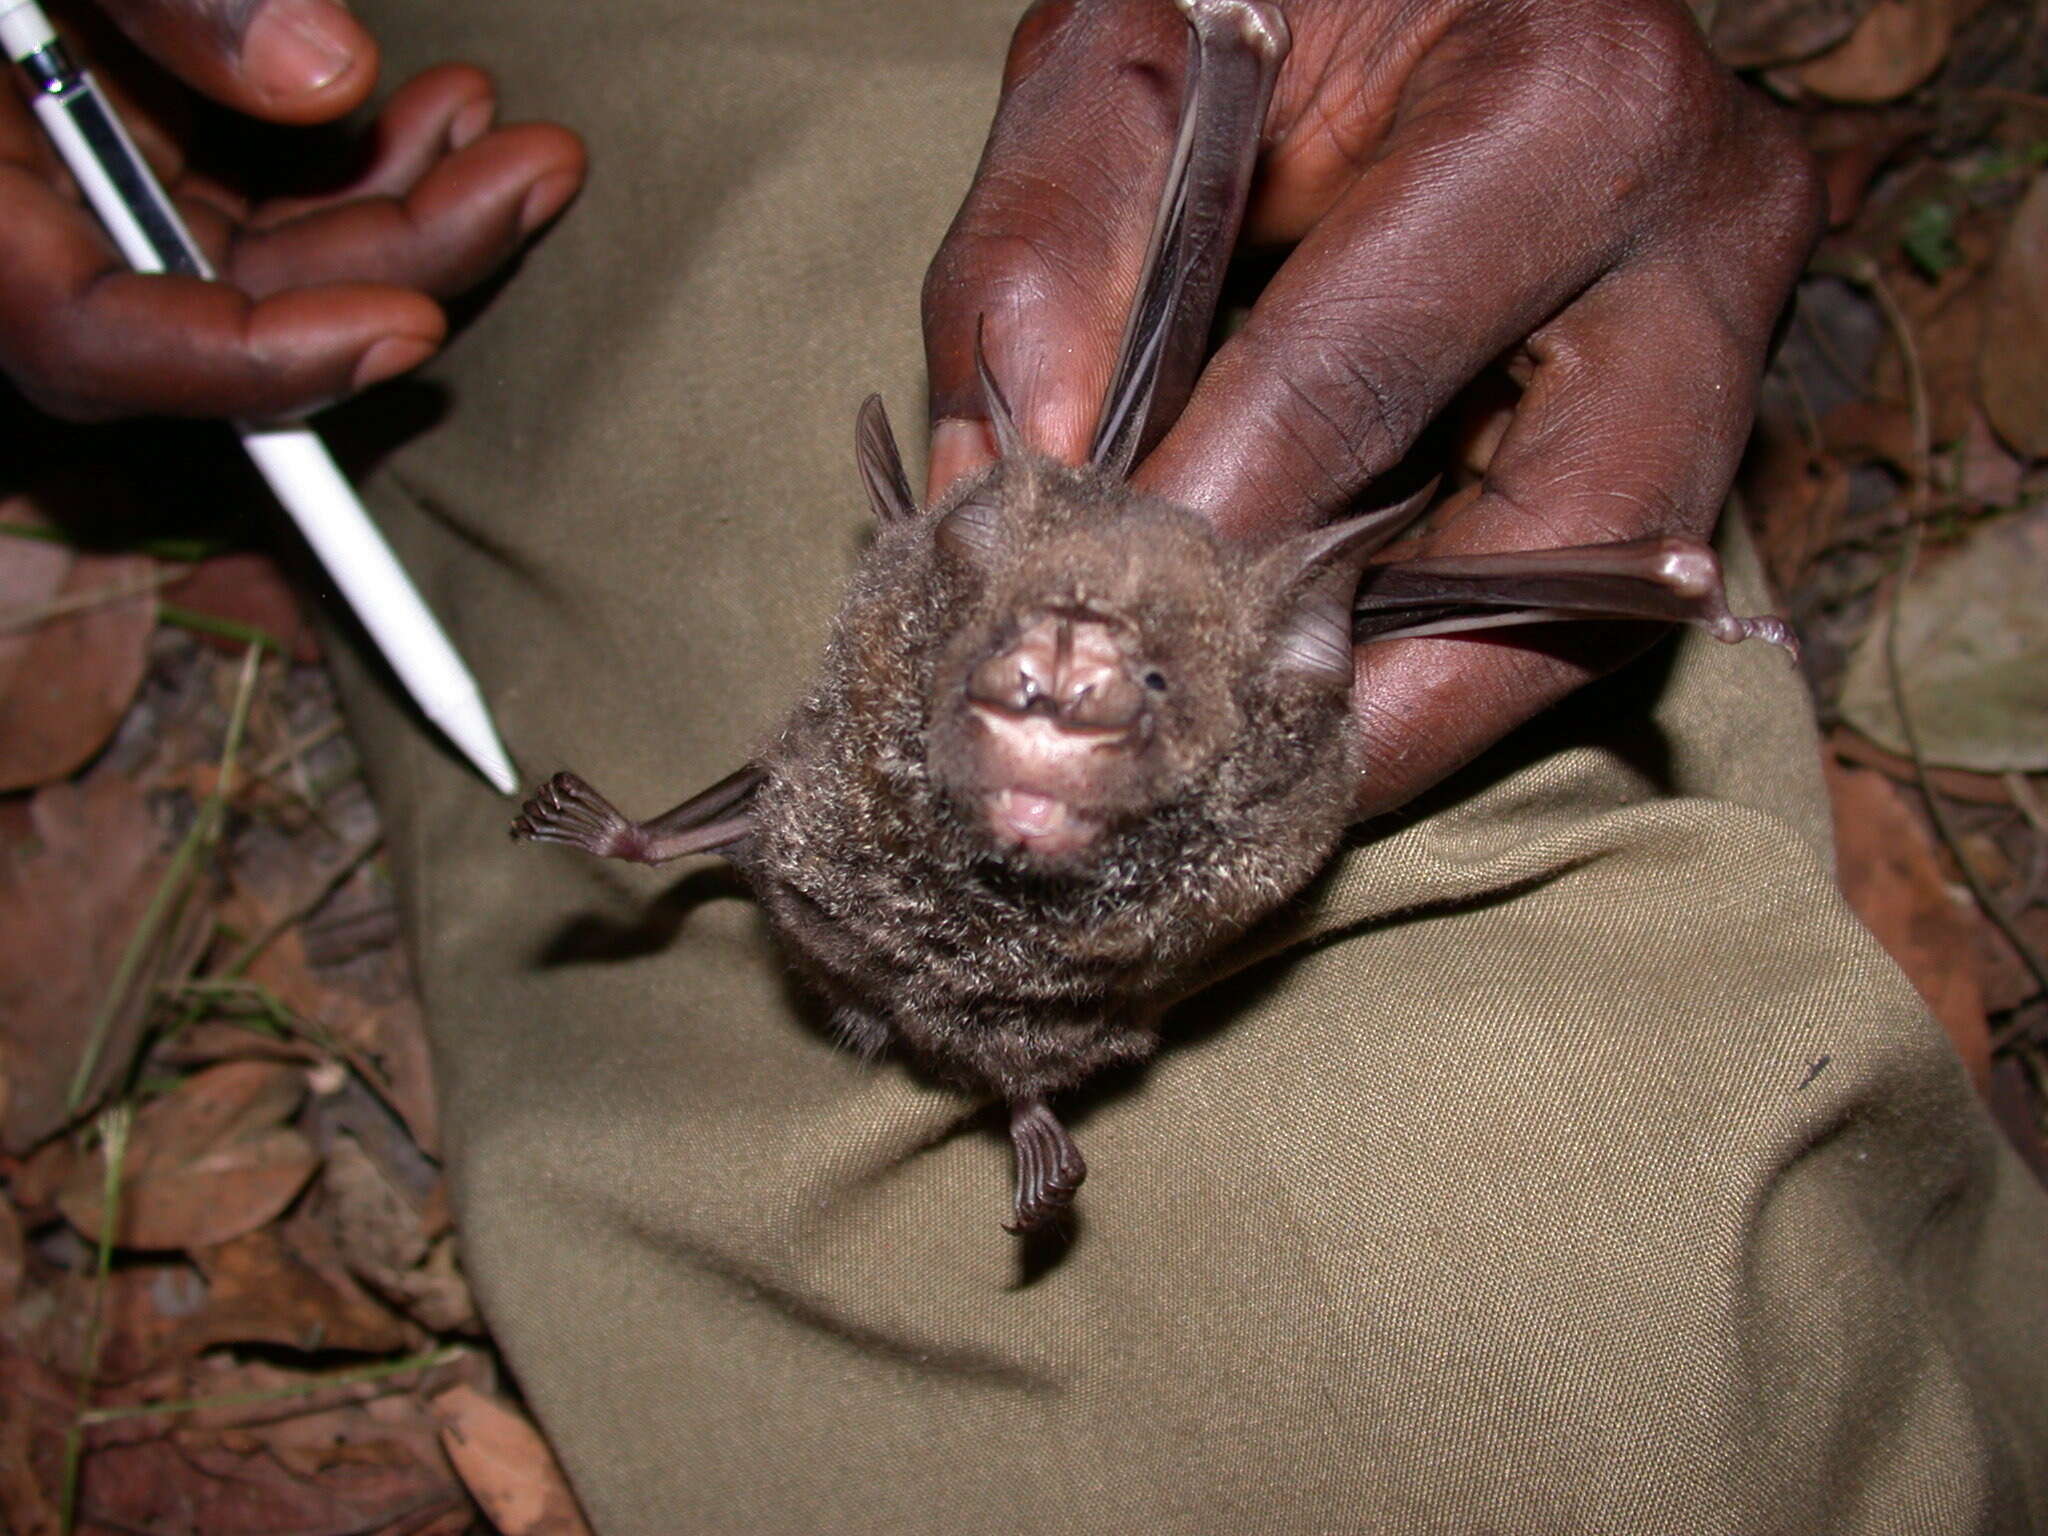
[(350, 863), (288, 755), (431, 1360), (1909, 554)]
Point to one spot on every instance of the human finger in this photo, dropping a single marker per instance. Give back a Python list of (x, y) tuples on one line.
[(1536, 150), (287, 61), (463, 217), (84, 338), (1049, 241), (1632, 424)]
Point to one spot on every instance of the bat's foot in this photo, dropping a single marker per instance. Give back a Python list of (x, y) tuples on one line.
[(1049, 1166), (568, 811)]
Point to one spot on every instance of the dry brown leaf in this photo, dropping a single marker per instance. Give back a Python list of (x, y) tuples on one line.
[(1969, 635), (2013, 367), (1898, 45), (206, 1163), (1853, 144), (306, 1456), (435, 1295), (385, 1039), (457, 1522), (398, 1429), (167, 1485), (507, 1466), (68, 904), (233, 1394), (246, 588), (286, 1285), (1755, 34), (2008, 980), (141, 1313), (377, 1228), (1984, 472), (32, 572), (32, 1428), (1859, 431), (65, 682), (1794, 499), (216, 1040), (1853, 746), (33, 1181), (2015, 1107), (1948, 330), (1891, 874)]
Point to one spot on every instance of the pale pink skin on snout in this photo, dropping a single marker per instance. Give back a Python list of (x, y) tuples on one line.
[(1055, 714)]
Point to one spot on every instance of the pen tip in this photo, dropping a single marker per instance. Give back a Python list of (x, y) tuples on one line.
[(499, 772)]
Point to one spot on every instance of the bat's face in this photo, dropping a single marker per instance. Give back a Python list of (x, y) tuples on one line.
[(1094, 679)]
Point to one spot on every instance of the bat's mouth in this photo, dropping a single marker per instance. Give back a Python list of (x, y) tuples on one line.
[(1055, 719), (1044, 826)]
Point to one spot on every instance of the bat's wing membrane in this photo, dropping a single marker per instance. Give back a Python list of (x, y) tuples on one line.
[(1233, 57)]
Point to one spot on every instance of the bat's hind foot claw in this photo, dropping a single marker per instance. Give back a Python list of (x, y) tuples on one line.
[(568, 811), (1049, 1167)]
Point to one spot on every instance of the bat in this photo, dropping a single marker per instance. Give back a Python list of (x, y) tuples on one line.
[(1066, 742)]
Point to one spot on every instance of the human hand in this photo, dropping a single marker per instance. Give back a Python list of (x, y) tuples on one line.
[(319, 295), (1574, 190)]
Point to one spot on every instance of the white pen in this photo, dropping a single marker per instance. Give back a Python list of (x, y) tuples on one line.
[(291, 457)]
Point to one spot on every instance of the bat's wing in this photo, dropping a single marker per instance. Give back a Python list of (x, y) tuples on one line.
[(1233, 57), (1675, 580), (568, 811)]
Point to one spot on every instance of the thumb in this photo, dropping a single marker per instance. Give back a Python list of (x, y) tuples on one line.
[(290, 61)]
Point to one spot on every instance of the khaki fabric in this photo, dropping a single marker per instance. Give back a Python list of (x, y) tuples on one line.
[(1567, 1160)]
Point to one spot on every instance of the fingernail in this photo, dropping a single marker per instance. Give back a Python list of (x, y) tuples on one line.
[(471, 124), (297, 47), (390, 357), (546, 198), (958, 448)]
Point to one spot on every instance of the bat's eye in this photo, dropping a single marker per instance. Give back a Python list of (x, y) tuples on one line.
[(1156, 681)]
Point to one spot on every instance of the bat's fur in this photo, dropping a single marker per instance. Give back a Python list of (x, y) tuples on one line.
[(997, 971)]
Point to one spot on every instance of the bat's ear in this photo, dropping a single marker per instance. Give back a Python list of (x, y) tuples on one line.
[(972, 531), (881, 466), (1318, 573), (1002, 421)]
